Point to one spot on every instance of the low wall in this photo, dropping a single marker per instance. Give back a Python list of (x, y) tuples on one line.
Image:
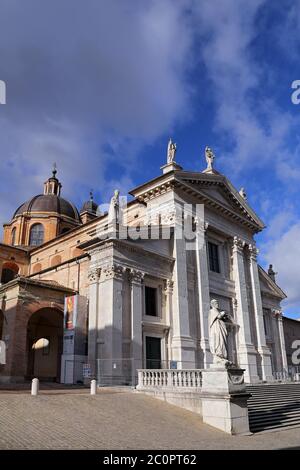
[(189, 400), (218, 394), (177, 387)]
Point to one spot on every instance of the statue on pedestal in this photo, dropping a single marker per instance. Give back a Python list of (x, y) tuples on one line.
[(218, 334), (171, 151), (114, 207)]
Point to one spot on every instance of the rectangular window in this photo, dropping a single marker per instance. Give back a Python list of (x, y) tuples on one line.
[(213, 254), (151, 301)]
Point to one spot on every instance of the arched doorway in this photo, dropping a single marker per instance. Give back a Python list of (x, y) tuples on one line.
[(9, 272), (44, 358)]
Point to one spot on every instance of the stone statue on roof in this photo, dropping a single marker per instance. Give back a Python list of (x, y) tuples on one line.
[(209, 155), (243, 193), (172, 147), (114, 207)]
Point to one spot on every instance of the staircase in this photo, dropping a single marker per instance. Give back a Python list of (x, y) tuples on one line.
[(273, 406)]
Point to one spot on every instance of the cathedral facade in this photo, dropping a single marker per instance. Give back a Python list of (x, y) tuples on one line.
[(110, 293)]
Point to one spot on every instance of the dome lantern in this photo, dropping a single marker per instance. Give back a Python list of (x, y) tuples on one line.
[(52, 186)]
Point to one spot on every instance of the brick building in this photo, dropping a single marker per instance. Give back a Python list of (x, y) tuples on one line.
[(139, 300)]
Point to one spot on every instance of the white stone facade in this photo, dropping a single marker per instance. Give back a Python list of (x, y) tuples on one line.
[(180, 278)]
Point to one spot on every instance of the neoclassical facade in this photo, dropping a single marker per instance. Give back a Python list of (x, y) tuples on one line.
[(141, 278)]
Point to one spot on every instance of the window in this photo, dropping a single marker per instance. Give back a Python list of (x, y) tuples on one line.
[(13, 236), (151, 301), (213, 253), (9, 272), (36, 236)]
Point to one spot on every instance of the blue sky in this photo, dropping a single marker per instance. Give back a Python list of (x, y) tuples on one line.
[(100, 86)]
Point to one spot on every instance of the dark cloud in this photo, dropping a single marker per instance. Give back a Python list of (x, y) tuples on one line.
[(82, 78)]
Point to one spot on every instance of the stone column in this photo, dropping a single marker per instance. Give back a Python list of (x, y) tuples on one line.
[(112, 310), (262, 347), (136, 278), (168, 287), (93, 277), (278, 315), (246, 350), (203, 290), (183, 346)]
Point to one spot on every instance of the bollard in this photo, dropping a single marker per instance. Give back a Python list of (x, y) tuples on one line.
[(35, 387), (93, 387)]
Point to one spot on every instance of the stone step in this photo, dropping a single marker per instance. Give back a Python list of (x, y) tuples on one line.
[(260, 388), (268, 415), (274, 394), (254, 404), (273, 427), (272, 407), (273, 387)]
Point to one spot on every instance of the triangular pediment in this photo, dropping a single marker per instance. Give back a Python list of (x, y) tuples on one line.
[(210, 188), (219, 192), (216, 193), (268, 286)]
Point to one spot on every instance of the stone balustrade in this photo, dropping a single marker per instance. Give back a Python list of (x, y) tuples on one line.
[(169, 378)]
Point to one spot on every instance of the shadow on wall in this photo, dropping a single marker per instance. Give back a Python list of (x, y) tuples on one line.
[(9, 271)]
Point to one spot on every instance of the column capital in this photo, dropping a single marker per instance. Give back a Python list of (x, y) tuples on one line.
[(94, 275), (277, 313), (136, 276), (168, 285), (168, 217), (238, 245), (234, 304), (113, 271), (253, 251)]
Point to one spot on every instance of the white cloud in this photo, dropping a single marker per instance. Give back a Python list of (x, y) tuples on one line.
[(87, 89), (250, 120), (284, 254)]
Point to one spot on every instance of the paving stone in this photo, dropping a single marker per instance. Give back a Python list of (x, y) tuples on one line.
[(114, 419)]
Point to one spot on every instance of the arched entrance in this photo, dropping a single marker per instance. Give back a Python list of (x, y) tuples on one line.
[(44, 357), (9, 272)]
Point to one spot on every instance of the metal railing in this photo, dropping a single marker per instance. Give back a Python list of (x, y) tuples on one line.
[(116, 372)]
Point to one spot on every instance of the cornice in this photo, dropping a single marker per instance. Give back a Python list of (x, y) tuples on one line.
[(101, 245)]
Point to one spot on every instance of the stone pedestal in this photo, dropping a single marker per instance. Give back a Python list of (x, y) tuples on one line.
[(172, 166), (224, 400)]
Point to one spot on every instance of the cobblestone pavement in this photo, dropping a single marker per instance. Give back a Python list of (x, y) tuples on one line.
[(114, 419)]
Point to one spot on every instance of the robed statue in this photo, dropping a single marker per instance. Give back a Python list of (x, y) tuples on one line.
[(171, 151), (209, 155), (114, 207), (218, 334)]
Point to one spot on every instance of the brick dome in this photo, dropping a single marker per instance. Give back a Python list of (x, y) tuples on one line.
[(48, 203)]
